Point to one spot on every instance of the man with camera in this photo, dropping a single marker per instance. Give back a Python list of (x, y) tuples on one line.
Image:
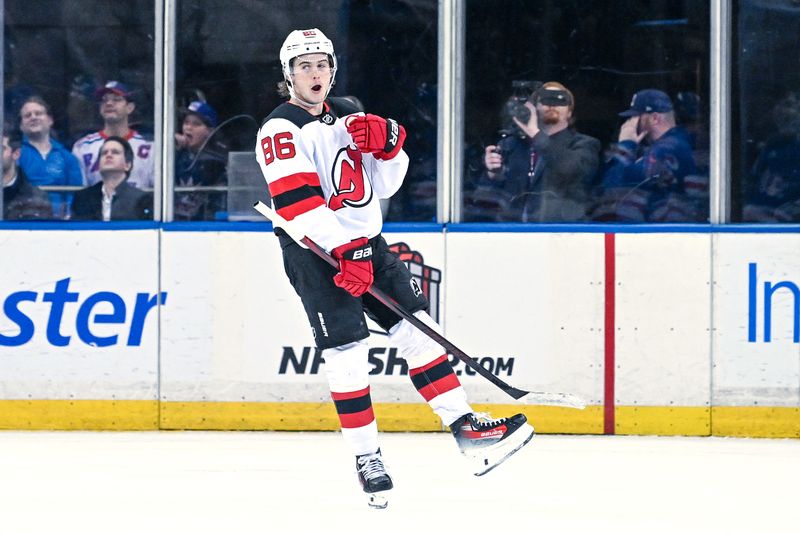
[(545, 166)]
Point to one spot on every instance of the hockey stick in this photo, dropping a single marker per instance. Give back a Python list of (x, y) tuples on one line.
[(538, 398)]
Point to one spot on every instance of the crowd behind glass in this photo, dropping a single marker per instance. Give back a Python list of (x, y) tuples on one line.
[(570, 124)]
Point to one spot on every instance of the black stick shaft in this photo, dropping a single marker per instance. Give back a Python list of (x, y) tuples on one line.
[(451, 348)]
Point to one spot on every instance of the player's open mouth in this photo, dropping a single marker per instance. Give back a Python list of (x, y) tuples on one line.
[(316, 88)]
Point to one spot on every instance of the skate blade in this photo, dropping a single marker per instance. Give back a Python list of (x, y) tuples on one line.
[(494, 458), (377, 500)]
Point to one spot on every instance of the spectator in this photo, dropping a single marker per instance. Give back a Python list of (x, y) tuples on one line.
[(116, 106), (199, 161), (44, 160), (545, 170), (690, 115), (647, 183), (81, 108), (113, 198), (21, 200), (773, 194)]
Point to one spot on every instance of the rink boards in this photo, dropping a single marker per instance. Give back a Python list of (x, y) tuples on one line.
[(682, 330)]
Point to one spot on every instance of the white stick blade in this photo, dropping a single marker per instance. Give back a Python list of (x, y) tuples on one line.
[(556, 399)]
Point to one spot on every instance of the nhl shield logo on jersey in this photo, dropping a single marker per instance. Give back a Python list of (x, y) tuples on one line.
[(351, 187)]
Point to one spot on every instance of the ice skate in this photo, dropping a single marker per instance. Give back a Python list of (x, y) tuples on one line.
[(487, 442), (374, 479)]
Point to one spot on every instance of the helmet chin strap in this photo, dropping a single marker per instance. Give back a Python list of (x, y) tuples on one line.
[(293, 94), (295, 97)]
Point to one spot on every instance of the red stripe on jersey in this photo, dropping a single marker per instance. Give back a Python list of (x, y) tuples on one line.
[(349, 395), (293, 181), (303, 206), (357, 420), (440, 386), (438, 360)]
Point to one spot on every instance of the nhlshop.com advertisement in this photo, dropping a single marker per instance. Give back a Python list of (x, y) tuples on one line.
[(658, 328)]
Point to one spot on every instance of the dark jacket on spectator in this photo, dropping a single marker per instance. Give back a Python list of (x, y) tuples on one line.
[(23, 201), (204, 169), (129, 203), (773, 194), (659, 183), (546, 178)]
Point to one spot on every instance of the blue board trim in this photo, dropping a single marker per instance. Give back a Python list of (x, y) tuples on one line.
[(410, 227), (79, 225), (621, 228), (242, 226)]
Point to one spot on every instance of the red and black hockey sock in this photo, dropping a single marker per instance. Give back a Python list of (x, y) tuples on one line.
[(435, 378), (354, 408)]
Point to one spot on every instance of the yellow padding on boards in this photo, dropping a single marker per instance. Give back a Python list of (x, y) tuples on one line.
[(656, 420), (288, 416), (390, 416), (774, 422), (79, 414)]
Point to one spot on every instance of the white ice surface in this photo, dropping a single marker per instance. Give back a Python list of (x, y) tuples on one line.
[(262, 481)]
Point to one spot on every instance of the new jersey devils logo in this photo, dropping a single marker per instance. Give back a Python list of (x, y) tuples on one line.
[(351, 188)]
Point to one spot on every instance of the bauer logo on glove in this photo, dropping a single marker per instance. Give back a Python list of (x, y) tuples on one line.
[(362, 253), (355, 266)]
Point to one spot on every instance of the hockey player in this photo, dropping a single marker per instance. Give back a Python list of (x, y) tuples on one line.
[(116, 105), (327, 165)]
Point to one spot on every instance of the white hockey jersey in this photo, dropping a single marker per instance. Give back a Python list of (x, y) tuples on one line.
[(87, 150), (319, 179)]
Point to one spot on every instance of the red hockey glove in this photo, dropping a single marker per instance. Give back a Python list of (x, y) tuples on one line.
[(379, 136), (355, 266)]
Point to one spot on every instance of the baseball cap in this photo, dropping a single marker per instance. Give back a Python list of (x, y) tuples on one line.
[(648, 101), (204, 111), (116, 87)]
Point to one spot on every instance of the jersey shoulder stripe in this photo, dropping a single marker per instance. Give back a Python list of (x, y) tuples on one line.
[(139, 137), (89, 139), (297, 116)]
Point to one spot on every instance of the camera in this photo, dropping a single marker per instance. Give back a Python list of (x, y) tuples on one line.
[(521, 91)]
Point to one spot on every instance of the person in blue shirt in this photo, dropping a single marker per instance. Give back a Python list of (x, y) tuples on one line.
[(43, 159), (650, 172)]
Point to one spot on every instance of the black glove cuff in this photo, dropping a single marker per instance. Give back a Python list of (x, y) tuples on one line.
[(392, 135)]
